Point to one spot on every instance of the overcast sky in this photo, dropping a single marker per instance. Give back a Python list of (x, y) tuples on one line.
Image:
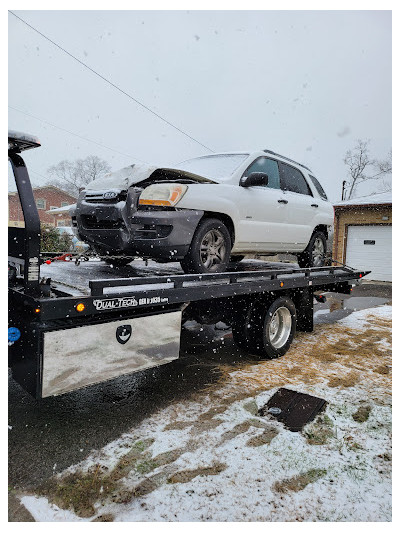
[(306, 84)]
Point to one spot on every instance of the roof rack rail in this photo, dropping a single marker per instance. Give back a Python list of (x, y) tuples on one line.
[(287, 159)]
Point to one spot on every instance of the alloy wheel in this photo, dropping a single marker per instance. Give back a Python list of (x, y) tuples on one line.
[(318, 252), (212, 249)]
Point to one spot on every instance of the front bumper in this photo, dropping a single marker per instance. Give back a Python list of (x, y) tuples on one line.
[(164, 235)]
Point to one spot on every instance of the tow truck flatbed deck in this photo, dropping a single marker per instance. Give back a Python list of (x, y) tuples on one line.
[(96, 290), (75, 279)]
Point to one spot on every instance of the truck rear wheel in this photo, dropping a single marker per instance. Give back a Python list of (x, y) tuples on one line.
[(266, 329)]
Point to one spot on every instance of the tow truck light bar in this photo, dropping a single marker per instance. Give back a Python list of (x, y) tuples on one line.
[(19, 142)]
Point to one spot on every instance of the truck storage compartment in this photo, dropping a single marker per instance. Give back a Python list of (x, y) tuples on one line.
[(86, 355), (53, 358)]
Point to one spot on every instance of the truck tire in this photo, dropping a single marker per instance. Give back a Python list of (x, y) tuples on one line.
[(242, 325), (210, 248), (266, 329), (315, 253)]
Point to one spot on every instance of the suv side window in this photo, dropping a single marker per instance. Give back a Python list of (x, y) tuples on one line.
[(269, 166), (293, 180), (319, 188)]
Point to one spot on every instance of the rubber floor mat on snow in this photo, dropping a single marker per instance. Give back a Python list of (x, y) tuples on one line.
[(294, 409)]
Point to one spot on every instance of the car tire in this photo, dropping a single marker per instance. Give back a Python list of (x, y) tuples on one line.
[(315, 253), (210, 249), (267, 328)]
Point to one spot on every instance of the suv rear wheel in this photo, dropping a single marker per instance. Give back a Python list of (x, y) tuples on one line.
[(210, 248), (315, 253)]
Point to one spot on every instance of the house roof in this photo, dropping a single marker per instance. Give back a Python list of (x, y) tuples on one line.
[(43, 187), (384, 198), (60, 210)]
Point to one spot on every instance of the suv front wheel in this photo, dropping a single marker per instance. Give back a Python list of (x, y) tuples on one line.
[(210, 249), (315, 253)]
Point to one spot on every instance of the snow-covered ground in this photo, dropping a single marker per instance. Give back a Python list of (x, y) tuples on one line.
[(213, 458)]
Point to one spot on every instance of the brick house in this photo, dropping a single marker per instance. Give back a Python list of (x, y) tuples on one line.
[(46, 198), (363, 234)]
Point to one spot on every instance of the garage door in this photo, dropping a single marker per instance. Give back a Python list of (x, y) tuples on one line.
[(370, 248)]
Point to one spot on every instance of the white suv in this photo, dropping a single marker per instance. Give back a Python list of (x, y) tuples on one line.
[(208, 211)]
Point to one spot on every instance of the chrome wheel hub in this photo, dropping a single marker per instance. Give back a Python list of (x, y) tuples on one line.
[(280, 327), (212, 249)]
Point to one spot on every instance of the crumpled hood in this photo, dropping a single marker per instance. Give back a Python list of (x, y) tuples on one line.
[(136, 173)]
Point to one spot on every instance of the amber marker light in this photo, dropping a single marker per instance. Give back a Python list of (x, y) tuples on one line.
[(37, 310), (281, 283), (80, 307)]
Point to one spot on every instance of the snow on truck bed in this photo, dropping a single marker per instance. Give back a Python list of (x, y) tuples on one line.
[(213, 458)]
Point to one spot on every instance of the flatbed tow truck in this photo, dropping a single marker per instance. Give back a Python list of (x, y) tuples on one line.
[(93, 323)]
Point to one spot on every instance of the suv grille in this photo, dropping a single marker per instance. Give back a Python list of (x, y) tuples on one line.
[(97, 197)]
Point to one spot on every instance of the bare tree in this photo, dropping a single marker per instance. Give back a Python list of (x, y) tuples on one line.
[(361, 167), (72, 176)]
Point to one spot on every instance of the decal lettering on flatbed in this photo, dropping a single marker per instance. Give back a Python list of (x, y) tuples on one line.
[(33, 269), (128, 301)]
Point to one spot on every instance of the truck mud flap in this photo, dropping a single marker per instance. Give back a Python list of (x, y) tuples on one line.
[(78, 357)]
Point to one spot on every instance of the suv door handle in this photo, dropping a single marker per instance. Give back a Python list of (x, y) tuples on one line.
[(281, 201), (314, 205)]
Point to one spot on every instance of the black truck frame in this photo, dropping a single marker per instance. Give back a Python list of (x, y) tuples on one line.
[(60, 342)]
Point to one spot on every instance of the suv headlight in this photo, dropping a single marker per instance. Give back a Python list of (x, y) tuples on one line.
[(167, 194)]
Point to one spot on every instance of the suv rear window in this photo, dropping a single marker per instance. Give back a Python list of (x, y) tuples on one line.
[(293, 180), (319, 188)]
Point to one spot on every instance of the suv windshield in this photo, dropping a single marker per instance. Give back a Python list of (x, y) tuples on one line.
[(214, 167)]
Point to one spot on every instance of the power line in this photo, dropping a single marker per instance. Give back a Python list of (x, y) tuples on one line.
[(75, 134), (41, 175), (111, 83)]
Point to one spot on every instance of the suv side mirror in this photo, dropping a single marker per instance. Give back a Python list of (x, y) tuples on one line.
[(253, 179)]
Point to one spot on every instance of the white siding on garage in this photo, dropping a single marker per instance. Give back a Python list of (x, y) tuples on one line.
[(370, 248)]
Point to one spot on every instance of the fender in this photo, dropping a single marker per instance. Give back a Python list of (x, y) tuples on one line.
[(219, 198)]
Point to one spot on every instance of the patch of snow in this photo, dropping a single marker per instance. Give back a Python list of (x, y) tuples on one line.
[(43, 511), (357, 320)]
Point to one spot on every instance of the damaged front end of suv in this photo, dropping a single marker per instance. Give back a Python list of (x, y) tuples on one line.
[(121, 220)]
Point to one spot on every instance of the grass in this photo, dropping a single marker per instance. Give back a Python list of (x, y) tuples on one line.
[(362, 413), (184, 476), (78, 491), (344, 359), (299, 482), (320, 431)]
